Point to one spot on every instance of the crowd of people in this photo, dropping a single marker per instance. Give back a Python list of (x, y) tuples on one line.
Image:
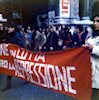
[(56, 38), (44, 39)]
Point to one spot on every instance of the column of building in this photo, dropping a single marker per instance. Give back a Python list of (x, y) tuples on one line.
[(84, 9)]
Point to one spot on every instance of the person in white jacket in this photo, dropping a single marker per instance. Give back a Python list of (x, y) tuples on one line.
[(92, 43)]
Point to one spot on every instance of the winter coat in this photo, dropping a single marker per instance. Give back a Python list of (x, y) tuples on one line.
[(2, 36), (95, 60), (79, 42), (26, 41), (52, 41), (14, 38), (39, 41)]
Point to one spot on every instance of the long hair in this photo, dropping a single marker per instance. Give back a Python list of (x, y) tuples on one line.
[(13, 25), (80, 27), (97, 15), (95, 33)]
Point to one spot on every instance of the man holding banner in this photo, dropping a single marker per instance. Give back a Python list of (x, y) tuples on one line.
[(12, 37), (93, 44)]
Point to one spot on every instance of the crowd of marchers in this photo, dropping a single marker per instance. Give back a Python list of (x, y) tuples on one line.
[(39, 39), (44, 39), (57, 38)]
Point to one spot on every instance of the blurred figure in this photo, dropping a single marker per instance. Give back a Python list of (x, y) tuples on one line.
[(62, 27), (12, 37), (38, 40), (58, 29), (2, 34), (52, 40), (45, 39), (27, 39), (86, 30), (30, 31), (60, 45), (70, 30), (79, 37), (93, 45), (66, 36)]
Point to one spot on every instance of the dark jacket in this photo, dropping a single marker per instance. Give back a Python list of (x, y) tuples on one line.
[(14, 38), (77, 40), (2, 36), (39, 41), (52, 41)]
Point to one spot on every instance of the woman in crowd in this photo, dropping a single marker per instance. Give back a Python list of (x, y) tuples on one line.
[(93, 45), (79, 37)]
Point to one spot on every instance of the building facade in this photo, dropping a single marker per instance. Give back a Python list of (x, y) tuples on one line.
[(88, 8), (26, 11)]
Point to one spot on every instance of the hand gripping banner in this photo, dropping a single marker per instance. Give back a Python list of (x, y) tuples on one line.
[(67, 71)]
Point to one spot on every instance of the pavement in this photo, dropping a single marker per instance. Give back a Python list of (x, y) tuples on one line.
[(29, 91)]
